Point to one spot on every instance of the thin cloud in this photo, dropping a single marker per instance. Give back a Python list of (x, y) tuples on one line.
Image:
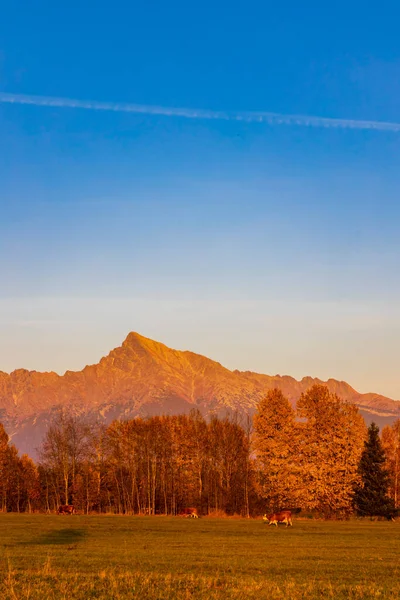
[(190, 113)]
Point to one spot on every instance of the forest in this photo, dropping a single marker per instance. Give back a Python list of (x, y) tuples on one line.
[(318, 458)]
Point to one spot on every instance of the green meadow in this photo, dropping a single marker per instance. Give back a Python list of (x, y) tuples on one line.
[(107, 557)]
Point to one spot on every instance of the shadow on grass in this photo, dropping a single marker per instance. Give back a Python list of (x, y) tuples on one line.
[(58, 537)]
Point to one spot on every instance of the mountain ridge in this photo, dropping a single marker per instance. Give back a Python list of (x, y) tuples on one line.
[(144, 377)]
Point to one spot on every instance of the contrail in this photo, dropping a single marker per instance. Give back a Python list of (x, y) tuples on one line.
[(191, 113)]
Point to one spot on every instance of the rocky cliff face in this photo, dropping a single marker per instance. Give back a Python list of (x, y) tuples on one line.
[(143, 377)]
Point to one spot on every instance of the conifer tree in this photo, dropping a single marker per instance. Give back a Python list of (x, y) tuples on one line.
[(371, 495)]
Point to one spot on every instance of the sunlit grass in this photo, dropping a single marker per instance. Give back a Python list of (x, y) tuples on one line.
[(77, 557)]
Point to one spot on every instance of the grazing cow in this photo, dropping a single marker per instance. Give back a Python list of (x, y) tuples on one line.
[(189, 512), (66, 509), (285, 516)]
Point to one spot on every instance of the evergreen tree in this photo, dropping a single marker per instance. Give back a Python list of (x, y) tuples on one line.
[(371, 495)]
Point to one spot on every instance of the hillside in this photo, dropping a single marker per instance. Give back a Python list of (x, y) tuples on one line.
[(143, 377)]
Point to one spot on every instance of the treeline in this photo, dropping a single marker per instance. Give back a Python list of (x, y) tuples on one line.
[(158, 465), (316, 458)]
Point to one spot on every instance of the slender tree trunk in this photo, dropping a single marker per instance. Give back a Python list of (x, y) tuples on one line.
[(66, 488)]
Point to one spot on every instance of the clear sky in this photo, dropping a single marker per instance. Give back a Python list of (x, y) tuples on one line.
[(268, 247)]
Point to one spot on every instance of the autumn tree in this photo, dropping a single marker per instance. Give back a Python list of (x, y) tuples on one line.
[(371, 494), (332, 434), (28, 485), (275, 445), (391, 447), (228, 453), (63, 451), (11, 481), (88, 485), (189, 461), (4, 471)]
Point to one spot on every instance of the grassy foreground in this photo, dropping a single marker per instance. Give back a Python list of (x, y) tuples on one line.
[(79, 557)]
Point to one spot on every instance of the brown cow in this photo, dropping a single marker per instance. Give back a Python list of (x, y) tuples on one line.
[(66, 509), (189, 512), (285, 516)]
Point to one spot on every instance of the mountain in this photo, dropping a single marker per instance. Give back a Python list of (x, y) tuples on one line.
[(143, 377)]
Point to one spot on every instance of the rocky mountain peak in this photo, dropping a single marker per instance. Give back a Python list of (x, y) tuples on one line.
[(145, 377)]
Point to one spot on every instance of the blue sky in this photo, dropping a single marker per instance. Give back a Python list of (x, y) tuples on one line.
[(267, 247)]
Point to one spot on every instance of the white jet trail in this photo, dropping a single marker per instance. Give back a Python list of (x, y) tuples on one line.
[(191, 113)]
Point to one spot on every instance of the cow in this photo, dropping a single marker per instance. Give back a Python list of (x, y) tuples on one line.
[(284, 516), (189, 512), (66, 509)]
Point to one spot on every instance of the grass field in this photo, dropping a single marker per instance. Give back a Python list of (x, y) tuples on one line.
[(78, 557)]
